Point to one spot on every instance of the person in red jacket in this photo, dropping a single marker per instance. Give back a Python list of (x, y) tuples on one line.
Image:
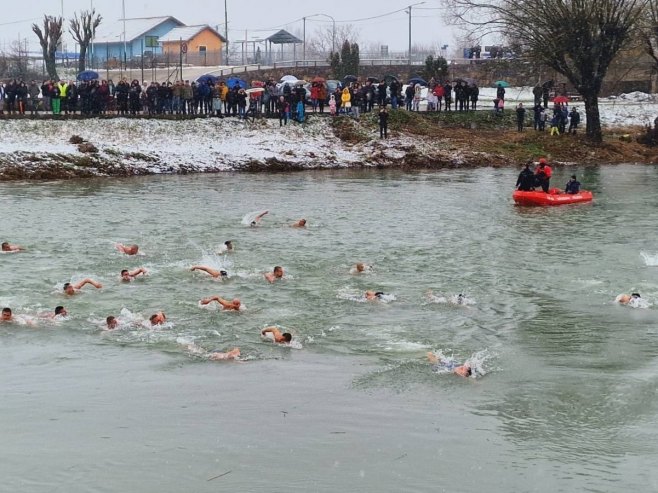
[(543, 174)]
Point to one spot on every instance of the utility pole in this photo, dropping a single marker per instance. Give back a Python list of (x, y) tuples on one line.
[(304, 43), (226, 29), (409, 12), (125, 43)]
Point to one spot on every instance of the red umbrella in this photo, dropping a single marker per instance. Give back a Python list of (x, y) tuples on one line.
[(560, 99)]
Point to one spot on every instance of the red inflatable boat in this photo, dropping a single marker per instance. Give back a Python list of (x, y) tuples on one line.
[(553, 197)]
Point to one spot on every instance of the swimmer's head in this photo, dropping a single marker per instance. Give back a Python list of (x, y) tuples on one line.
[(60, 310), (131, 249), (236, 303), (125, 275), (302, 222), (5, 247), (635, 295), (223, 273), (6, 314), (379, 294), (229, 245), (68, 289), (278, 271), (253, 224), (360, 267), (287, 336), (111, 322), (469, 370), (157, 318)]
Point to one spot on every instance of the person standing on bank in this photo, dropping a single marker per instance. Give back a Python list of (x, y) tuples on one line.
[(520, 117), (383, 123)]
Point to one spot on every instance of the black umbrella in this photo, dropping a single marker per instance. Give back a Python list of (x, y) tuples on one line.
[(390, 78), (373, 79), (350, 78)]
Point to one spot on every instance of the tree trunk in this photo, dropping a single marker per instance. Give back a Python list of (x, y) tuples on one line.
[(51, 66), (82, 61), (593, 126)]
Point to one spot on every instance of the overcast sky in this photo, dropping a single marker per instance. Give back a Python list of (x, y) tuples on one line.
[(256, 16)]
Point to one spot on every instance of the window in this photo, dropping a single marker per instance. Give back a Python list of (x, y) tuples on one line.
[(202, 49)]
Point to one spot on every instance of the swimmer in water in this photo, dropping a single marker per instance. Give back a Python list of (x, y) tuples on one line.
[(222, 274), (464, 370), (215, 355), (359, 268), (60, 311), (625, 299), (258, 219), (157, 318), (277, 336), (127, 276), (111, 322), (299, 224), (233, 304), (72, 289), (8, 247), (228, 246), (277, 273), (7, 315), (127, 249), (374, 295)]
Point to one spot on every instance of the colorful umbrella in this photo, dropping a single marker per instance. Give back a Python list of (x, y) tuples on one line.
[(350, 78), (417, 80), (560, 99), (204, 79), (233, 81), (321, 80), (502, 83)]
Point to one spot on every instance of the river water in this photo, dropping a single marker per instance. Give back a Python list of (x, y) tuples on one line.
[(565, 398)]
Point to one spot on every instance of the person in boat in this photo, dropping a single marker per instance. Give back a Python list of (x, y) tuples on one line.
[(127, 249), (464, 370), (127, 276), (277, 273), (71, 289), (543, 174), (526, 180), (625, 299), (572, 186), (221, 274), (8, 247), (277, 336), (228, 305)]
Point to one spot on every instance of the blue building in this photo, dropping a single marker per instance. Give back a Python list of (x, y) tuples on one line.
[(141, 37)]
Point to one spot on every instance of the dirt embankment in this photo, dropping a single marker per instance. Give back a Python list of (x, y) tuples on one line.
[(416, 141)]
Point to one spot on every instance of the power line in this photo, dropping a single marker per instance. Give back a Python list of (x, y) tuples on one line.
[(20, 22)]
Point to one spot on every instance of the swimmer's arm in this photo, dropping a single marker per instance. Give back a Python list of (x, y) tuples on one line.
[(269, 276), (82, 283), (261, 215), (270, 330), (210, 299), (208, 270)]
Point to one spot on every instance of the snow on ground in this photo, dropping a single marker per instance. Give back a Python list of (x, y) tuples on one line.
[(160, 145), (636, 108)]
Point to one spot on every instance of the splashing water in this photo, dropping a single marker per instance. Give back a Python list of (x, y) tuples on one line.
[(477, 361), (650, 260)]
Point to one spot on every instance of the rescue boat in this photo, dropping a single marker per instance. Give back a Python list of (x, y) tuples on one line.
[(553, 197)]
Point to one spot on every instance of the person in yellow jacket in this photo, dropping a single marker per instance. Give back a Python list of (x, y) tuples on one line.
[(63, 87), (223, 93), (346, 100)]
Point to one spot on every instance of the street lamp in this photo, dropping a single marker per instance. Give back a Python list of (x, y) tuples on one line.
[(409, 12), (333, 31)]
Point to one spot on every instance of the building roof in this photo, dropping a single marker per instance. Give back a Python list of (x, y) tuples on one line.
[(283, 37), (135, 28), (186, 33)]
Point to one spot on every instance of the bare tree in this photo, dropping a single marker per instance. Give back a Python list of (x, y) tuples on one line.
[(49, 39), (576, 38), (649, 37), (324, 39), (83, 30)]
